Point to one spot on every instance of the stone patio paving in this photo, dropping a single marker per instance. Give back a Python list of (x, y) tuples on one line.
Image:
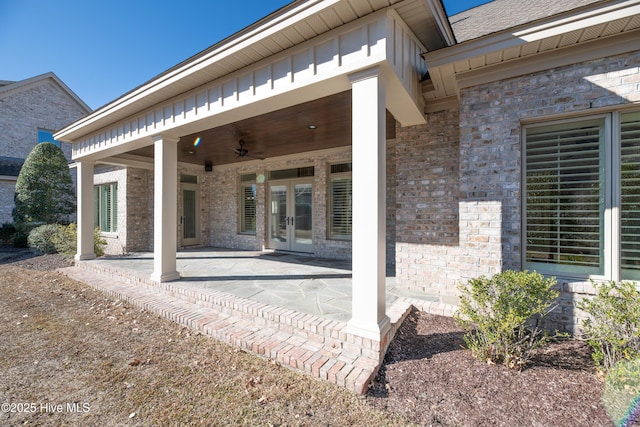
[(290, 308), (311, 285)]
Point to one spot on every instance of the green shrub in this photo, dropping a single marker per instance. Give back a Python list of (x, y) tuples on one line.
[(613, 327), (56, 238), (65, 240), (99, 243), (7, 233), (42, 238), (501, 315), (622, 391), (44, 191)]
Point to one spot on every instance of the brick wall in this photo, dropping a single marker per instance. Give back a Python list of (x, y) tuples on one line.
[(42, 105), (138, 225), (116, 242), (7, 190), (456, 224)]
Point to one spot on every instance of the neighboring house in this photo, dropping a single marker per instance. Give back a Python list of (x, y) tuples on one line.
[(31, 110), (505, 137)]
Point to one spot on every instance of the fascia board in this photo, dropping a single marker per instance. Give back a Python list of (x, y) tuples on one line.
[(227, 47), (556, 25)]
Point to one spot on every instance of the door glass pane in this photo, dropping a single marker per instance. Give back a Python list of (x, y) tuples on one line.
[(278, 231), (189, 213), (630, 197), (303, 217)]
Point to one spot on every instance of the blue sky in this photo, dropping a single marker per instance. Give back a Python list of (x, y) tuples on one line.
[(103, 49)]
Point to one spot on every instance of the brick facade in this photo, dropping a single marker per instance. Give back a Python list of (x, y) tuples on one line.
[(40, 104), (459, 188), (454, 184)]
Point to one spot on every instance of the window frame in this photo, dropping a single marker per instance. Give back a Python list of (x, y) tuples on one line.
[(247, 183), (338, 176), (113, 210), (610, 173)]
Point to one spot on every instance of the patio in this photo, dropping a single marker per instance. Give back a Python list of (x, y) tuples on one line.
[(290, 308)]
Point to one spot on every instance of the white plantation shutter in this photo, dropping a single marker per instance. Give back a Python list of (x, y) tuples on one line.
[(565, 197), (630, 196), (340, 203), (248, 209)]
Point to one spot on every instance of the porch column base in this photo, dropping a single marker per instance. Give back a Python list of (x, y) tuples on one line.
[(373, 332), (165, 277), (84, 257)]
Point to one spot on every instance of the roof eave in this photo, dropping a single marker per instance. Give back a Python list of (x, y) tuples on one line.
[(555, 25)]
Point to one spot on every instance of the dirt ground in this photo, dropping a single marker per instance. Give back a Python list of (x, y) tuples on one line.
[(65, 344)]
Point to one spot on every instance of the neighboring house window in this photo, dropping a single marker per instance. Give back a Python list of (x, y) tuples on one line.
[(248, 203), (340, 201), (582, 203), (106, 207), (46, 136)]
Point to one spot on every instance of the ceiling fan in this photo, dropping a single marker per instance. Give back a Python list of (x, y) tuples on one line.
[(243, 152)]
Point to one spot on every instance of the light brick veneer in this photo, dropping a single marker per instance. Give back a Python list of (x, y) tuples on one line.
[(459, 180), (40, 105)]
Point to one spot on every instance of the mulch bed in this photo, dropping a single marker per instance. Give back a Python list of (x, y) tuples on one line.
[(428, 377)]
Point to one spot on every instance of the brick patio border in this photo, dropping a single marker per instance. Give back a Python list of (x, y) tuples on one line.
[(311, 344)]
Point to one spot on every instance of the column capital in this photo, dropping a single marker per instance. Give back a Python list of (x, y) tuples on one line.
[(365, 74), (165, 138)]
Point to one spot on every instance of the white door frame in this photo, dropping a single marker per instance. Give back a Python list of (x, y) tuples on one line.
[(195, 240), (288, 221)]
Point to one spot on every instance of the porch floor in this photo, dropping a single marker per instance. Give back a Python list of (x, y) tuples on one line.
[(288, 307)]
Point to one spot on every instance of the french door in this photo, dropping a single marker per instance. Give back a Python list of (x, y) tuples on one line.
[(189, 218), (290, 216)]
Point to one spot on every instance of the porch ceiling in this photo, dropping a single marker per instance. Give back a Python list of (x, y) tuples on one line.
[(278, 133)]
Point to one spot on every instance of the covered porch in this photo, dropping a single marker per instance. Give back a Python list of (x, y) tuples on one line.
[(293, 309), (313, 77)]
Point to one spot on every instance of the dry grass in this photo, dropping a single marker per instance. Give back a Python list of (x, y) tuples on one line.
[(63, 343)]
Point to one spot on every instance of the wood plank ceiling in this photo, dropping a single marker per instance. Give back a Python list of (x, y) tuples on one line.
[(274, 134)]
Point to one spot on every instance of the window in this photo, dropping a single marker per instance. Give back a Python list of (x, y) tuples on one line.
[(340, 201), (46, 136), (106, 207), (582, 202), (248, 203)]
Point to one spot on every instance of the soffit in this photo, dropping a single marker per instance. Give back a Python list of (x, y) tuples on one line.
[(567, 30), (278, 133), (293, 24)]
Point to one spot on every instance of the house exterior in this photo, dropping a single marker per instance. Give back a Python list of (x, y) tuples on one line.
[(439, 149), (31, 110)]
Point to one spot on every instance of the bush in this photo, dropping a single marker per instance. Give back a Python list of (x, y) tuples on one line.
[(613, 327), (42, 238), (621, 394), (56, 238), (99, 243), (501, 315), (44, 190), (65, 240)]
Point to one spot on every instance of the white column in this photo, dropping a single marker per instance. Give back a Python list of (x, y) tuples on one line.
[(369, 317), (165, 202), (85, 211)]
